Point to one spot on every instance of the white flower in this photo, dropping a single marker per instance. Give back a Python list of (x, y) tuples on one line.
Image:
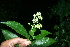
[(38, 26), (35, 20), (40, 17), (32, 26), (38, 13), (28, 23), (34, 15)]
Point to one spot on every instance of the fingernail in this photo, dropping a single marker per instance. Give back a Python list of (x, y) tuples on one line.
[(27, 43)]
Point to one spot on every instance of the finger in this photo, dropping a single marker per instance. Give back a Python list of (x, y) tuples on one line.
[(17, 40), (12, 42), (24, 44), (5, 44)]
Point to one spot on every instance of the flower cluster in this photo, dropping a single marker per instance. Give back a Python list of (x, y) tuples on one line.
[(35, 20)]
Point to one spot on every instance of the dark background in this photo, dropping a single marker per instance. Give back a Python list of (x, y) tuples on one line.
[(22, 11)]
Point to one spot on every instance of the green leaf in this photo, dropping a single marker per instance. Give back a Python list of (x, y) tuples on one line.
[(17, 27), (63, 44), (8, 35), (43, 34), (31, 32), (45, 41), (69, 44), (56, 27)]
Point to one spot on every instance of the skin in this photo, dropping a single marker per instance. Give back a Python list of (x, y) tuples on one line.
[(12, 42)]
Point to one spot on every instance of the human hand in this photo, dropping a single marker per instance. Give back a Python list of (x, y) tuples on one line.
[(12, 42)]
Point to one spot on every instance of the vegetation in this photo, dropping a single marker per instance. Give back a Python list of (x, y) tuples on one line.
[(37, 40), (62, 13)]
